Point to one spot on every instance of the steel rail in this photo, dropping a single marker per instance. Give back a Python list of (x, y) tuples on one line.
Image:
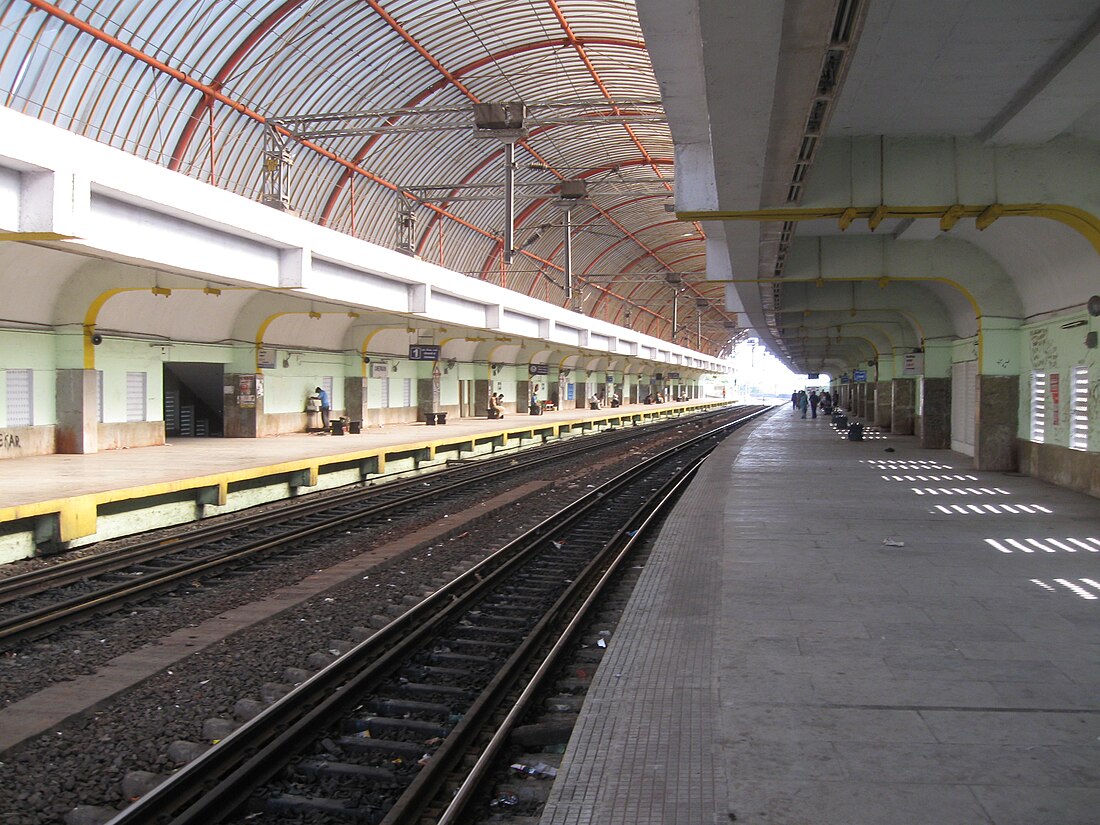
[(477, 773), (26, 584), (48, 618), (211, 787)]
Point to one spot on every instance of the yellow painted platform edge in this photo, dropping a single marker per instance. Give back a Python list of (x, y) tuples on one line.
[(78, 513)]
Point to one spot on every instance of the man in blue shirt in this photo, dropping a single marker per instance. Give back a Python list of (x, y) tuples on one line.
[(322, 396)]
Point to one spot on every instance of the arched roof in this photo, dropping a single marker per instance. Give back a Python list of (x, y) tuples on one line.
[(194, 86)]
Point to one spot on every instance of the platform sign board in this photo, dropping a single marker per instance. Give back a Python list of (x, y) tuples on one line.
[(912, 363), (859, 375), (423, 352), (265, 358), (844, 379), (379, 370), (813, 376), (673, 375), (538, 369)]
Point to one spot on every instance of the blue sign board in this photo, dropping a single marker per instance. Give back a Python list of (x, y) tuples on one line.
[(859, 375), (423, 352)]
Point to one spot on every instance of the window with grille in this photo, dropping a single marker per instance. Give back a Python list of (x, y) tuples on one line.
[(99, 394), (385, 402), (135, 396), (326, 385), (1079, 409), (1038, 407), (20, 397), (407, 392)]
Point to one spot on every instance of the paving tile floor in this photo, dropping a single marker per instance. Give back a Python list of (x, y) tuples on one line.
[(831, 633)]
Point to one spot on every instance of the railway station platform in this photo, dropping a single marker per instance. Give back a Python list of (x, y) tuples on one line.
[(59, 502), (833, 632)]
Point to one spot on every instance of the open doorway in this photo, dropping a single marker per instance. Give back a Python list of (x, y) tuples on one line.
[(193, 401)]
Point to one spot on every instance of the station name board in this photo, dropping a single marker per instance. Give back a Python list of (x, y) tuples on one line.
[(423, 352)]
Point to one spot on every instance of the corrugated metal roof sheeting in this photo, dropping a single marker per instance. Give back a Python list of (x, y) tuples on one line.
[(294, 57)]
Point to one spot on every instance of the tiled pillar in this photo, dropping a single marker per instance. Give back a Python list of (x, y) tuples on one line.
[(902, 405), (936, 414), (998, 413), (884, 394)]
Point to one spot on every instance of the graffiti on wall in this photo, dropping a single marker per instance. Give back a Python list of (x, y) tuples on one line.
[(9, 441), (1044, 353)]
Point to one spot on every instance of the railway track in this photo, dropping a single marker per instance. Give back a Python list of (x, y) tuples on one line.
[(37, 604), (402, 728)]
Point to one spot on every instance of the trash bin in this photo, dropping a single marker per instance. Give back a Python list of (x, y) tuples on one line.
[(355, 427), (337, 427), (593, 405), (429, 419), (441, 418), (855, 431), (841, 420), (535, 409)]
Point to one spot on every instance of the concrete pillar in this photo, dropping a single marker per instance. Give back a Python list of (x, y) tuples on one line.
[(935, 430), (482, 388), (902, 405), (355, 399), (427, 397), (243, 405), (77, 430), (998, 418), (884, 394)]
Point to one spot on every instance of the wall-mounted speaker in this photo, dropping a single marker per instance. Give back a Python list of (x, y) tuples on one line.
[(97, 339), (1090, 340), (1094, 305)]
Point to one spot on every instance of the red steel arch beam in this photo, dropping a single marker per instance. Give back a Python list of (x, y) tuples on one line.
[(526, 213), (334, 197), (579, 48), (626, 270), (605, 289), (490, 261), (622, 205), (203, 107), (449, 77), (668, 245), (236, 105)]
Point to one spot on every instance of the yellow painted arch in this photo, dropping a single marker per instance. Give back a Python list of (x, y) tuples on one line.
[(1080, 220), (882, 281)]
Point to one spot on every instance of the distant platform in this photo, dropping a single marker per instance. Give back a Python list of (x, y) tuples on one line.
[(64, 501)]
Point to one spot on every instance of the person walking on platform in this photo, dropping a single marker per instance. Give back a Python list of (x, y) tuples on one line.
[(803, 402), (794, 400), (322, 396), (814, 401)]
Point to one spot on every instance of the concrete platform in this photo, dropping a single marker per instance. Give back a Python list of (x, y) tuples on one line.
[(832, 634), (72, 500)]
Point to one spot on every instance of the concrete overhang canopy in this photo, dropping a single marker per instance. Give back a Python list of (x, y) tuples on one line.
[(936, 104)]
